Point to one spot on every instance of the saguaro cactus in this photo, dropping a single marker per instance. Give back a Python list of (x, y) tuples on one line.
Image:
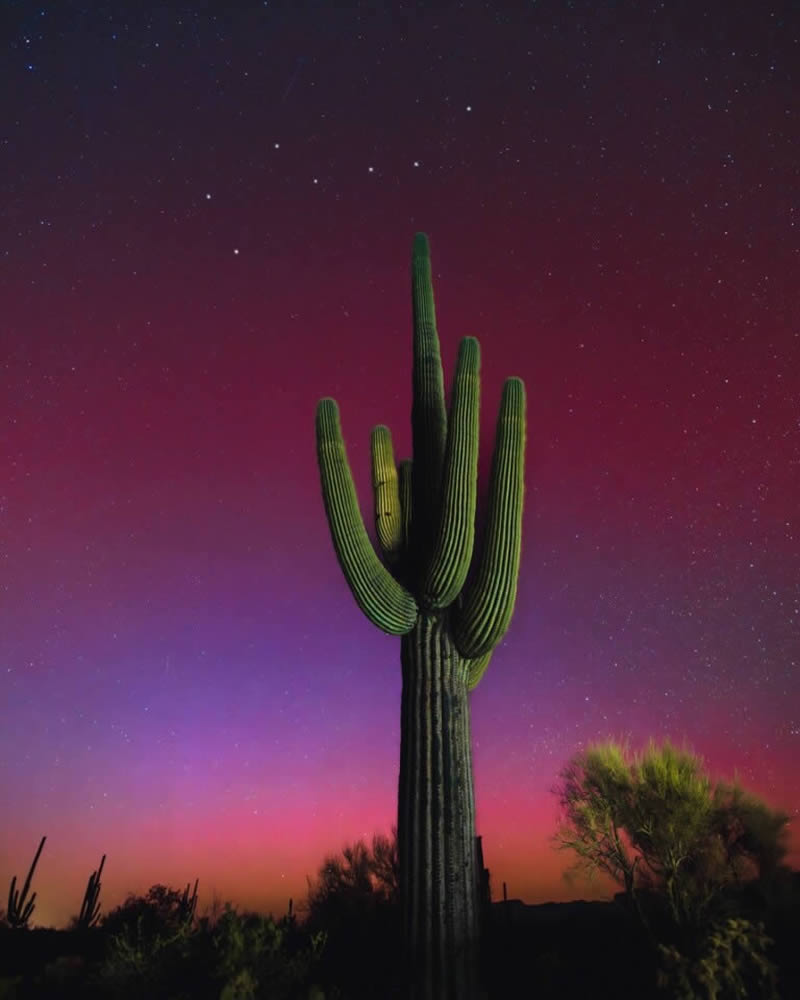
[(90, 907), (187, 904), (449, 620), (20, 907)]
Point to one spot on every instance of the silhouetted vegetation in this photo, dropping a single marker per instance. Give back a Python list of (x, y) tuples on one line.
[(354, 901), (153, 946), (89, 914), (345, 945), (697, 860), (20, 908)]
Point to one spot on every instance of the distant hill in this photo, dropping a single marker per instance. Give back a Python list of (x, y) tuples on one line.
[(529, 914)]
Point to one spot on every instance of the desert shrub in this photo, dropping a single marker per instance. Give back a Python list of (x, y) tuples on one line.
[(153, 953), (258, 957), (698, 859), (146, 960), (732, 965)]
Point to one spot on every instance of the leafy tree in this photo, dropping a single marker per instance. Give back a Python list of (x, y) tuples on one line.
[(682, 846)]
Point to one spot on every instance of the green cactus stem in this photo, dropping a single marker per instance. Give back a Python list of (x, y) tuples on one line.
[(382, 599), (388, 515), (90, 907), (476, 669), (428, 414), (452, 546), (20, 907), (450, 620), (487, 605)]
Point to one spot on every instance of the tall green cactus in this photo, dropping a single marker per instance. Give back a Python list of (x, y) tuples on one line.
[(450, 620), (20, 907)]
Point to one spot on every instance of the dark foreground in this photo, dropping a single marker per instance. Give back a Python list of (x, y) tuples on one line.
[(579, 949)]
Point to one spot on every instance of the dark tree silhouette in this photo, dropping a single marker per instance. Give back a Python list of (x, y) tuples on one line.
[(162, 911), (354, 901), (354, 883)]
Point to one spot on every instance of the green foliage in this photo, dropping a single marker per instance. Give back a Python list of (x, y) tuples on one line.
[(655, 820), (255, 957), (155, 951), (595, 793), (161, 912), (732, 965), (681, 846), (754, 835), (145, 961)]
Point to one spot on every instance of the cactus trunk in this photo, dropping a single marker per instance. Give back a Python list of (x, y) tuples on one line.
[(450, 621), (436, 816)]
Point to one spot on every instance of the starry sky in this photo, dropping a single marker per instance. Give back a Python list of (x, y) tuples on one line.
[(206, 216)]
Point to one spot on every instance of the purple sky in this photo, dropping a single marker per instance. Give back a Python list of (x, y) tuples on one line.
[(206, 216)]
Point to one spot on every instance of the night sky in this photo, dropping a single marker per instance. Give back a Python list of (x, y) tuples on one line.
[(206, 219)]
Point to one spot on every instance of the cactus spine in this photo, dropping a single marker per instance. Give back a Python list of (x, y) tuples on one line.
[(20, 907), (449, 620)]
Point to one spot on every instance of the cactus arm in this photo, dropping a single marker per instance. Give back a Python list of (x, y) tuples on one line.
[(476, 669), (382, 599), (488, 603), (428, 414), (19, 911), (452, 549), (27, 910), (388, 514)]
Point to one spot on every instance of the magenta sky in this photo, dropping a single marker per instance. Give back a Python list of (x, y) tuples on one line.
[(206, 218)]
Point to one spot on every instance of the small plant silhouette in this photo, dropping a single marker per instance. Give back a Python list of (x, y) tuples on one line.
[(90, 907), (20, 907)]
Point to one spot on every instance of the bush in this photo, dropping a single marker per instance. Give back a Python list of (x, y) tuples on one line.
[(152, 952), (698, 861), (732, 965)]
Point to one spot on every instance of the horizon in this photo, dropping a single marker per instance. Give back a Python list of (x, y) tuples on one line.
[(601, 889), (208, 227)]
